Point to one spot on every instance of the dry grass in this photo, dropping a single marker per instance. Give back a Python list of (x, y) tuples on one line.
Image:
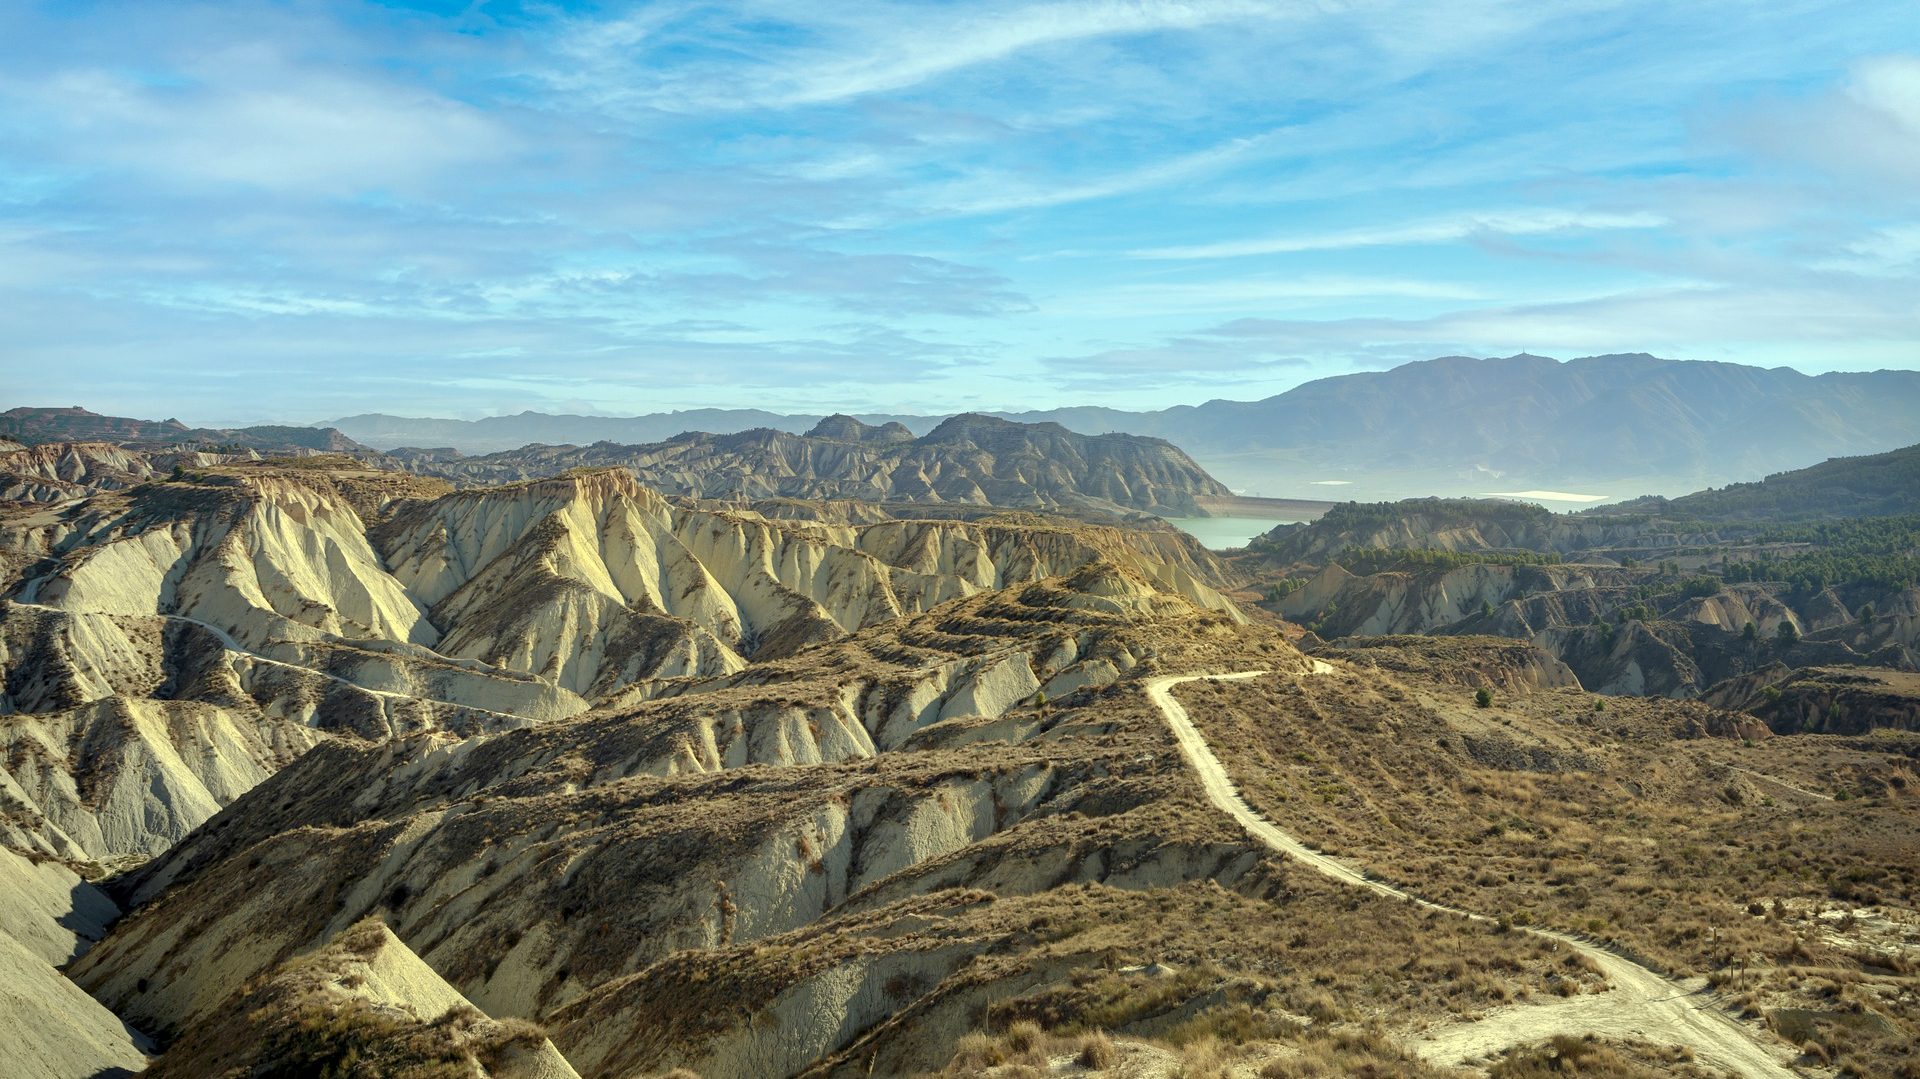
[(1192, 966), (1545, 811), (1218, 979), (1591, 1058), (1363, 1054), (1297, 1054)]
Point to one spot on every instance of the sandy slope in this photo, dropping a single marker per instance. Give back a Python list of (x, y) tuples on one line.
[(1642, 1004), (49, 1027)]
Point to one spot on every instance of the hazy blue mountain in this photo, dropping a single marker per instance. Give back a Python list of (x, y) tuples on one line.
[(33, 426), (496, 433), (1595, 419), (1599, 416)]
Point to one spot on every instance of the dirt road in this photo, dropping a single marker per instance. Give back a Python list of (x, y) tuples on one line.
[(1642, 1004), (383, 695)]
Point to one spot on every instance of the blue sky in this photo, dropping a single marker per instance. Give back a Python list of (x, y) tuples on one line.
[(290, 211)]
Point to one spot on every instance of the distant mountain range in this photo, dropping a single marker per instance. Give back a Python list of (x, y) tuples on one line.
[(1618, 425), (36, 426), (968, 459), (497, 433), (1450, 423)]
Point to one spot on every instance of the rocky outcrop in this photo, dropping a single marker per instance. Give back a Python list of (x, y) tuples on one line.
[(1476, 525), (60, 471), (131, 776), (1597, 621), (1484, 598), (844, 428), (553, 734)]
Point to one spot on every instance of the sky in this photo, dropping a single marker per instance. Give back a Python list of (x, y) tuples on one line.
[(287, 212)]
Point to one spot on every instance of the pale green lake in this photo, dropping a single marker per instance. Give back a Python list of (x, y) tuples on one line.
[(1220, 533)]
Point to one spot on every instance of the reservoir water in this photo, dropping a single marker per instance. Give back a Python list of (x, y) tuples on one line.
[(1220, 533)]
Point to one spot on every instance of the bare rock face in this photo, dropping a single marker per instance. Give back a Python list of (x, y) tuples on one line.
[(1436, 600), (61, 471), (551, 733)]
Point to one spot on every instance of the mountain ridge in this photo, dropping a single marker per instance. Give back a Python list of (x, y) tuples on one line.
[(1453, 419), (31, 426), (969, 458)]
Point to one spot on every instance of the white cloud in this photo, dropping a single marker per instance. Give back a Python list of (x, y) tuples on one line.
[(987, 195), (1890, 85), (1439, 230), (896, 48), (1243, 293), (1866, 132), (250, 117)]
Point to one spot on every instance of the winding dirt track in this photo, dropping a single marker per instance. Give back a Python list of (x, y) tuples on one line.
[(1641, 1004)]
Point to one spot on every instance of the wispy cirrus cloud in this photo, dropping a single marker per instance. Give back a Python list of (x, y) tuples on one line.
[(989, 194), (1525, 222), (864, 50), (232, 207)]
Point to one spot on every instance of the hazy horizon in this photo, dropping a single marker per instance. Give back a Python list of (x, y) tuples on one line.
[(587, 411), (250, 213)]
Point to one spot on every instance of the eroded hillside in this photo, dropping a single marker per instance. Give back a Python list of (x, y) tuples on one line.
[(1632, 602), (847, 860), (564, 776), (170, 645)]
